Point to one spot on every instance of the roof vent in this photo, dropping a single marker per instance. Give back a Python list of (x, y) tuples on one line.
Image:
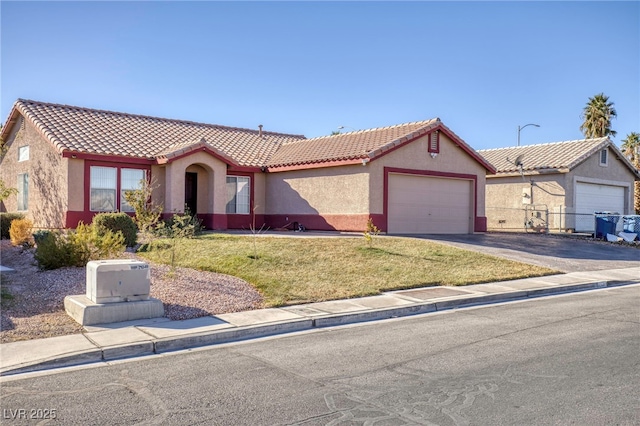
[(260, 130)]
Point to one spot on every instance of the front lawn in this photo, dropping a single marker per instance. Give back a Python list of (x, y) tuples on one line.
[(300, 270)]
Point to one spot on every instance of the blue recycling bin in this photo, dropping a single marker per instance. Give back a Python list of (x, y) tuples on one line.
[(606, 224), (631, 224)]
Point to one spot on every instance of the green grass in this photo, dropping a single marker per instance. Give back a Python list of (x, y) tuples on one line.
[(300, 270)]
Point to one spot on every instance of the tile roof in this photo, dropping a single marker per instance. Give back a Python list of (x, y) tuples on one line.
[(560, 156), (92, 131), (349, 146)]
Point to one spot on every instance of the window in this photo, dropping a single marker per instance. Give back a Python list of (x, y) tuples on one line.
[(434, 142), (23, 153), (129, 180), (238, 196), (603, 157), (23, 191), (103, 189)]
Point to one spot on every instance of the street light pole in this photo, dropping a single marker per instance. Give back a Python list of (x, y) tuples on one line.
[(520, 128)]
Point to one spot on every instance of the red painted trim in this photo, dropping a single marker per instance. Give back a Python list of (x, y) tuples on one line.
[(251, 189), (243, 169), (208, 150), (437, 148), (73, 218), (477, 222), (327, 222), (319, 165), (118, 166), (108, 158), (244, 221), (466, 148), (480, 224)]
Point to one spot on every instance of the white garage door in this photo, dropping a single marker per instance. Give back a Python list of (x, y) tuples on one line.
[(591, 197), (429, 205)]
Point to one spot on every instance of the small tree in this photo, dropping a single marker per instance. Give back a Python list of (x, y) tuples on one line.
[(371, 231), (178, 227), (147, 213), (255, 231)]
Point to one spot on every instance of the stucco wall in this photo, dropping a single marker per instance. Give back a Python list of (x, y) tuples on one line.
[(505, 207), (614, 173), (211, 174), (330, 190), (344, 197), (48, 199), (415, 155), (76, 184), (506, 204)]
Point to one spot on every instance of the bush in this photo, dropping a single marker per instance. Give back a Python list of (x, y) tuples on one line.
[(76, 248), (21, 232), (117, 222), (182, 225), (5, 223), (40, 235)]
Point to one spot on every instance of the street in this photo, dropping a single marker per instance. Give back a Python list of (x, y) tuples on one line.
[(569, 359)]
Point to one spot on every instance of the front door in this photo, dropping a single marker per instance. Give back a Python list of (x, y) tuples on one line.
[(191, 192)]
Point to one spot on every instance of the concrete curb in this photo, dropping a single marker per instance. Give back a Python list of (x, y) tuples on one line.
[(187, 339)]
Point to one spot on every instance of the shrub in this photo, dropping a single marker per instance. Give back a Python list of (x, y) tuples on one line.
[(5, 223), (21, 232), (117, 222), (182, 225), (40, 235), (76, 248), (148, 214)]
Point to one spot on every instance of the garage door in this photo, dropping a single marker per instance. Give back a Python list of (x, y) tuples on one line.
[(591, 197), (429, 205)]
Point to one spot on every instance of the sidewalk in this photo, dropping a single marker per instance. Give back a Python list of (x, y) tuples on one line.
[(154, 336)]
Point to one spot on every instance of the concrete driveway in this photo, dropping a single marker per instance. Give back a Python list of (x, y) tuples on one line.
[(563, 253)]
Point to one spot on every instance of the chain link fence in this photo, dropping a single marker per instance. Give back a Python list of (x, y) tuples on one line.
[(541, 218)]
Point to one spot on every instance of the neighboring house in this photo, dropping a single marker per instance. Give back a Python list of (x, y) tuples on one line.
[(71, 163), (570, 180)]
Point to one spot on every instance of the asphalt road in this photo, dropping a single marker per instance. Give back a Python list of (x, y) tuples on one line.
[(570, 359), (563, 253)]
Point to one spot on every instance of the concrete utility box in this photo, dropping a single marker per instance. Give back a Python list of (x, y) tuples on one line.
[(118, 280)]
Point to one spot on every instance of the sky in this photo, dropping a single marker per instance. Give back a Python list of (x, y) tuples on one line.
[(483, 68)]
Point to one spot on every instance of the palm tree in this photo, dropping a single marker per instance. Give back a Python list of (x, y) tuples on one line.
[(597, 115), (631, 148)]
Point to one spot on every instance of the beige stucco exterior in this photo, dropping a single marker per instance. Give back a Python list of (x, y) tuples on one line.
[(330, 190), (211, 174), (509, 209), (358, 191), (49, 176)]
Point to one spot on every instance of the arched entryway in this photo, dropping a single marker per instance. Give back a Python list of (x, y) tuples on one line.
[(198, 192)]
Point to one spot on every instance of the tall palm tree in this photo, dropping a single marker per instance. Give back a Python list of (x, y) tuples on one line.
[(597, 115), (631, 148)]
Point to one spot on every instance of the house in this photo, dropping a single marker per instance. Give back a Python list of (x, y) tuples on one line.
[(71, 163), (560, 185)]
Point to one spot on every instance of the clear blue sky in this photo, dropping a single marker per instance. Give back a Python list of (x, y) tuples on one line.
[(306, 68)]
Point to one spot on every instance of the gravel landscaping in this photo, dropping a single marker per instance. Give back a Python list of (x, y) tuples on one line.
[(37, 310)]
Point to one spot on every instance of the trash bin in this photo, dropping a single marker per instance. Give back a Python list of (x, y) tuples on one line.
[(606, 223), (631, 224)]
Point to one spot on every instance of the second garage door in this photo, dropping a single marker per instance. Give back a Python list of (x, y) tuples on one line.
[(429, 205), (591, 198)]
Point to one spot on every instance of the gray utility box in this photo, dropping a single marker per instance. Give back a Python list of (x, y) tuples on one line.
[(118, 280)]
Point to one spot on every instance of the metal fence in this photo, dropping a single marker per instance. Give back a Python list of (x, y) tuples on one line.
[(541, 218)]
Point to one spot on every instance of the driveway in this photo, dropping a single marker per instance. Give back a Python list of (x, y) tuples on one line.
[(563, 253)]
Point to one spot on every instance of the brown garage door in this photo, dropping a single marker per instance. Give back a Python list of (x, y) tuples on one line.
[(429, 205)]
